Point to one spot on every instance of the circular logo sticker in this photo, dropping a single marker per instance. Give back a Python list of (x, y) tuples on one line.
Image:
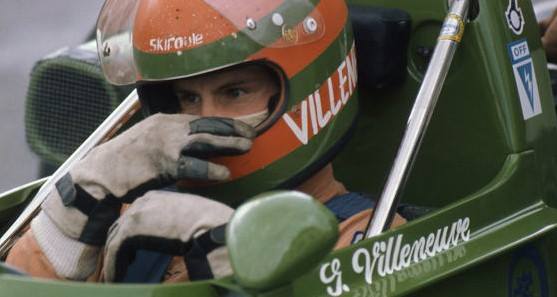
[(515, 18)]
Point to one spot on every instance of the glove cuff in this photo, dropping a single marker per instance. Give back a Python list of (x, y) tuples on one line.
[(70, 258)]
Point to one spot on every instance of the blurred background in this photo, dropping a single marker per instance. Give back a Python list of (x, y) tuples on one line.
[(544, 8), (29, 30)]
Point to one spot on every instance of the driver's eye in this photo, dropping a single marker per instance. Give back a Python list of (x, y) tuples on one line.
[(236, 92), (189, 98), (190, 102)]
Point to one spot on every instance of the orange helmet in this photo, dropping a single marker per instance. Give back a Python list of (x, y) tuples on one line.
[(309, 43)]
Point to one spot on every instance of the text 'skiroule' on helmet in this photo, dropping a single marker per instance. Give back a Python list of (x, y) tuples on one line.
[(309, 43)]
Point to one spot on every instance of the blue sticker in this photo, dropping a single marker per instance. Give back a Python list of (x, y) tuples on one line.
[(525, 77), (527, 274)]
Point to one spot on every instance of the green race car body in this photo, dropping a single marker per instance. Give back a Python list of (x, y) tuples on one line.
[(487, 170)]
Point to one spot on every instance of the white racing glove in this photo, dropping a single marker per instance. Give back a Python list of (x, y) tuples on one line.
[(169, 223), (155, 152)]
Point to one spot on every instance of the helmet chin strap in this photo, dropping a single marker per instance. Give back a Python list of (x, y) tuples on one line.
[(254, 119)]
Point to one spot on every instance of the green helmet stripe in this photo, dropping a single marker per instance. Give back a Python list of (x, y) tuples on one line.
[(194, 61)]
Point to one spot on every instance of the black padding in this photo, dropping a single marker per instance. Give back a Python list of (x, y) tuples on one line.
[(194, 251), (159, 182), (157, 98), (192, 168), (217, 236), (148, 268), (197, 263), (83, 201), (200, 149), (382, 36), (199, 247), (130, 246), (212, 239), (103, 215), (66, 190), (73, 195), (213, 125)]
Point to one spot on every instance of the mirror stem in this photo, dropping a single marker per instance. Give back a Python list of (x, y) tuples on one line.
[(449, 38)]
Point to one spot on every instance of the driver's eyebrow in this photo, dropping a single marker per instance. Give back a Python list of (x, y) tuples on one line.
[(232, 84), (181, 89), (178, 88)]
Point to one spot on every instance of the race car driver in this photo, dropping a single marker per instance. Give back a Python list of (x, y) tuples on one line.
[(242, 98)]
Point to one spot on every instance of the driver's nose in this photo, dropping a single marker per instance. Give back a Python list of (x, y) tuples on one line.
[(208, 106), (211, 106)]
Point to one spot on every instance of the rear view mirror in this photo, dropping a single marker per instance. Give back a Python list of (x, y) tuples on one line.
[(277, 237)]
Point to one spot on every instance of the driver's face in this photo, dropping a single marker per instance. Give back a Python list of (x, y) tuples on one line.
[(229, 93)]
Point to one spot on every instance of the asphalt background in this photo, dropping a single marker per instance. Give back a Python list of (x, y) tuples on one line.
[(28, 31)]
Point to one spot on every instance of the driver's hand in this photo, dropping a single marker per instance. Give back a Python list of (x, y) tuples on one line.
[(155, 152), (167, 222), (548, 31)]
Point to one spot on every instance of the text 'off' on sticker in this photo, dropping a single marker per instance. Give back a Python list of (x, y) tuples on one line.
[(525, 78)]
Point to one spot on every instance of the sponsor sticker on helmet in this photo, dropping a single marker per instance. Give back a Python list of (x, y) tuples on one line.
[(176, 43), (525, 77)]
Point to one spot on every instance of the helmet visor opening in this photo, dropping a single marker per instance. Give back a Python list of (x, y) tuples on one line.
[(251, 92)]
